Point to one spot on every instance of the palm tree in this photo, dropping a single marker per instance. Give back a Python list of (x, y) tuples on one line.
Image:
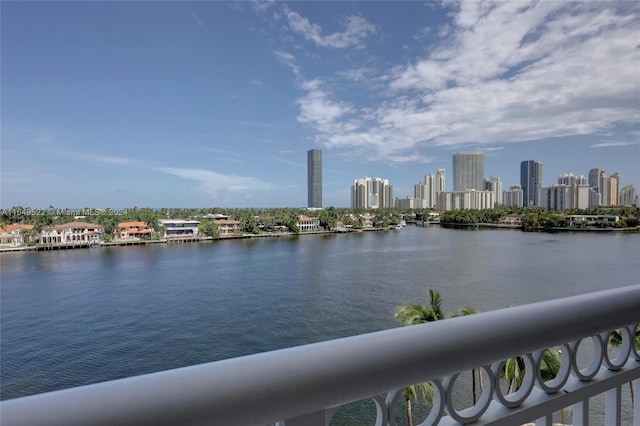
[(417, 313), (514, 369), (616, 339), (418, 391)]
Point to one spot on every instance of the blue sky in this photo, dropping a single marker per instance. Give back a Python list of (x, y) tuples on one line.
[(200, 104)]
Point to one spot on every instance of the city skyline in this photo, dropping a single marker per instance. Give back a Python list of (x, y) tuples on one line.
[(195, 104)]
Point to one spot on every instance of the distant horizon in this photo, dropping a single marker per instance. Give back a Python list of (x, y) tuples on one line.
[(217, 103)]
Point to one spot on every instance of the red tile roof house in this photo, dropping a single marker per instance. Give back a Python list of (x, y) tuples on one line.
[(306, 223), (72, 232), (133, 230), (11, 235)]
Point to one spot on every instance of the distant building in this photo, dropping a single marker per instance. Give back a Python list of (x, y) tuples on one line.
[(361, 193), (468, 171), (12, 235), (136, 230), (314, 178), (307, 224), (428, 190), (511, 220), (607, 188), (561, 197), (628, 196), (531, 182), (494, 185), (71, 233), (178, 228), (372, 193), (229, 227), (410, 203), (513, 197), (471, 199), (614, 189), (571, 179)]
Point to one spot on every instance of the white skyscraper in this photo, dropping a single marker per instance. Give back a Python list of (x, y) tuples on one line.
[(494, 185), (468, 171), (513, 197), (372, 193), (428, 190)]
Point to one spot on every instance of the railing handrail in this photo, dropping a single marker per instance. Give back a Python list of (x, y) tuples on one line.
[(287, 383)]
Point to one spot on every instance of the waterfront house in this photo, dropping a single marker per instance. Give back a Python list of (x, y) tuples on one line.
[(133, 230), (306, 223), (514, 220), (12, 235), (229, 227), (179, 228), (72, 233), (591, 220)]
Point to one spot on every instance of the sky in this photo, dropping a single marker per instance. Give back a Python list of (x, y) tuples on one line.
[(215, 104)]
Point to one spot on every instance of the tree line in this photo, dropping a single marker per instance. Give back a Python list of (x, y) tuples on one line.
[(273, 219)]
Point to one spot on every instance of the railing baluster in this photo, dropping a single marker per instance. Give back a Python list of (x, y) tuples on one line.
[(636, 402), (612, 406), (581, 413), (545, 421)]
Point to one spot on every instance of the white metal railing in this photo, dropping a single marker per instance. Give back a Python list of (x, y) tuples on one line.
[(305, 384)]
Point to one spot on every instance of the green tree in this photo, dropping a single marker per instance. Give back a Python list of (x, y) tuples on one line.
[(417, 313), (514, 369), (209, 228), (616, 339)]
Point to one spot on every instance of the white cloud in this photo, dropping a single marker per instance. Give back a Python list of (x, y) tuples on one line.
[(503, 72), (246, 123), (203, 26), (289, 60), (104, 159), (215, 183), (614, 143), (262, 5), (357, 28), (318, 110)]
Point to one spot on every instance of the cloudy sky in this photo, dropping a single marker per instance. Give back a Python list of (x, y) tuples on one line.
[(199, 104)]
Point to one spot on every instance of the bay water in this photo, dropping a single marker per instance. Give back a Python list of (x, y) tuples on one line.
[(76, 317)]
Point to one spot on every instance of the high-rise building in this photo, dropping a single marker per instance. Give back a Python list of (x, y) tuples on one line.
[(372, 193), (562, 196), (594, 176), (513, 196), (531, 182), (428, 190), (571, 179), (494, 185), (614, 189), (314, 178), (470, 199), (628, 195), (468, 171), (361, 193)]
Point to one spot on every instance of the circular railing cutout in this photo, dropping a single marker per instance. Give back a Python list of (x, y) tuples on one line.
[(545, 370), (589, 350), (514, 378), (472, 413)]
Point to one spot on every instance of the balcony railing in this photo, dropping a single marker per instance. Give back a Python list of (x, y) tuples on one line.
[(304, 385)]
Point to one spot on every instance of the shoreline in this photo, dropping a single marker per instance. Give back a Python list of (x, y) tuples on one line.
[(187, 240)]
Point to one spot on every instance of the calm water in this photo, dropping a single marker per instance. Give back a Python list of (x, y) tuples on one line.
[(70, 318)]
